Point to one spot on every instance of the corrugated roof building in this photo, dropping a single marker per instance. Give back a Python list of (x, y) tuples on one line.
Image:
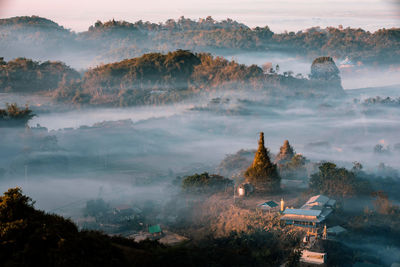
[(311, 214)]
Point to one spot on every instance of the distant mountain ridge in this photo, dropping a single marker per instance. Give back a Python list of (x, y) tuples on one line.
[(39, 38)]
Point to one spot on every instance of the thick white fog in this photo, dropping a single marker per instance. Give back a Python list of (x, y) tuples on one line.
[(76, 151), (353, 76), (98, 150), (76, 118), (133, 156)]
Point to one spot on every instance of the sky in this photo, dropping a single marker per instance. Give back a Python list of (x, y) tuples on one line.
[(291, 15)]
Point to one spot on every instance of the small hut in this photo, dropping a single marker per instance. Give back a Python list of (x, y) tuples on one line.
[(336, 230), (268, 205), (245, 190), (155, 230)]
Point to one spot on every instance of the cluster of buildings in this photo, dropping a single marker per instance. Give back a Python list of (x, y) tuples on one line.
[(312, 215)]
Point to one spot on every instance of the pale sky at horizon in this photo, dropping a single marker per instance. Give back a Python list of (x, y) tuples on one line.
[(278, 15)]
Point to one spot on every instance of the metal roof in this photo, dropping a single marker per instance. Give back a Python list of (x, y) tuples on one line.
[(336, 230), (331, 202), (305, 212), (271, 204), (316, 209), (154, 229), (318, 200)]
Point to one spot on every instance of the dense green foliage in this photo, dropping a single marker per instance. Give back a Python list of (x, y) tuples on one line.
[(337, 182), (13, 116), (262, 173), (235, 164), (383, 205), (205, 183), (157, 78), (25, 75), (148, 71), (29, 237), (379, 225), (295, 168), (117, 40)]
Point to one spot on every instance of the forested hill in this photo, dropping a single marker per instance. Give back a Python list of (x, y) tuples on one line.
[(33, 21), (28, 76), (112, 41), (157, 78)]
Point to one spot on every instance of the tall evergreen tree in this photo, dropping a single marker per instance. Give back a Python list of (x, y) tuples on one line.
[(262, 173)]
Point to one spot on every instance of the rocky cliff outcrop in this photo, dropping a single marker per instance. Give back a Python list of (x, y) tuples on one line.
[(325, 74)]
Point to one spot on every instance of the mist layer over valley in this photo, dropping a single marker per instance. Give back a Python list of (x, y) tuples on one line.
[(148, 133), (364, 56), (140, 144), (133, 156)]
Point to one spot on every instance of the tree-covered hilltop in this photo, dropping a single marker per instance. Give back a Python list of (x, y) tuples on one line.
[(150, 79), (157, 78), (117, 40), (33, 21), (181, 24), (13, 116), (323, 70), (338, 182), (28, 76), (205, 183), (31, 237), (34, 36)]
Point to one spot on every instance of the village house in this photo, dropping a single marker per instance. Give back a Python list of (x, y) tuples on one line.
[(268, 206), (312, 215)]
